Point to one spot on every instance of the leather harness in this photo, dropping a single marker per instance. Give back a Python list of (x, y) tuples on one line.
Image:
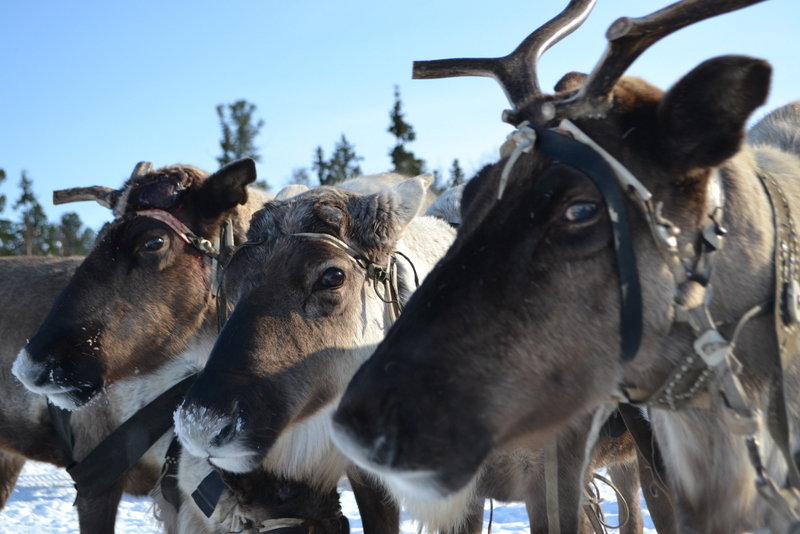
[(713, 355)]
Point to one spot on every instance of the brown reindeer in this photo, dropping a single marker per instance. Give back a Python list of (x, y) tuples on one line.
[(28, 287), (589, 279), (140, 315)]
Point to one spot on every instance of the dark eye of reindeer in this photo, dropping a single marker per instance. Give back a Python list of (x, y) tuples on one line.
[(330, 279), (579, 212), (154, 243)]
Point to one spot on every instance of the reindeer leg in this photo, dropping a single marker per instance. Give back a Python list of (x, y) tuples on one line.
[(473, 523), (571, 466), (379, 513), (626, 479), (10, 466), (97, 515)]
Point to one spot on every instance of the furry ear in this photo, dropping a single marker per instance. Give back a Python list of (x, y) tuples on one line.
[(702, 117), (407, 198), (379, 219), (571, 81), (226, 188)]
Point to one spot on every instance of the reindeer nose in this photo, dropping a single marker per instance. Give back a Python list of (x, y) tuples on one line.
[(371, 427), (205, 431), (227, 433), (31, 373), (50, 373)]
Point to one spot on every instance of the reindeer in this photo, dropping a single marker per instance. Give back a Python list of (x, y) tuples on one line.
[(582, 277), (28, 286), (30, 427), (140, 315)]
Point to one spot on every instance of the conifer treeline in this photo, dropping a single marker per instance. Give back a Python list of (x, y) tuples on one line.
[(239, 129), (30, 233)]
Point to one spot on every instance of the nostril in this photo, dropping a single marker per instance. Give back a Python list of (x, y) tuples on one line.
[(225, 435), (373, 428), (383, 450), (43, 376), (231, 428), (35, 375)]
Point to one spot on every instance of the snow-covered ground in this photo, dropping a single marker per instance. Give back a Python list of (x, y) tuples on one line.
[(42, 502)]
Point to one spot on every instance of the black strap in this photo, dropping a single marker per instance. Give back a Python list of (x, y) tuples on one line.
[(62, 423), (581, 156), (116, 454), (208, 492), (642, 435)]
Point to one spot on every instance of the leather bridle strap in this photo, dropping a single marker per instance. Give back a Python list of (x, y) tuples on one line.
[(200, 243), (584, 158), (118, 452), (208, 249)]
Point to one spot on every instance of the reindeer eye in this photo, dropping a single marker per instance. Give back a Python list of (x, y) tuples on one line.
[(330, 279), (154, 243), (579, 212)]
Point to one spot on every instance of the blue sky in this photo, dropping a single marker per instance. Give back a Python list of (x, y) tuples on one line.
[(91, 87)]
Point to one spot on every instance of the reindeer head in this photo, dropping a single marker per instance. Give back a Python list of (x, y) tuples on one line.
[(557, 293), (144, 290)]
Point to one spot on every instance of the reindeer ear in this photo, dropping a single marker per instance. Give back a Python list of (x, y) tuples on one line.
[(226, 188), (407, 198), (571, 81), (702, 117), (379, 219)]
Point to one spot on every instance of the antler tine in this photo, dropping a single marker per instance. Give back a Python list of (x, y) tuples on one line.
[(105, 196), (515, 72), (627, 39), (142, 168)]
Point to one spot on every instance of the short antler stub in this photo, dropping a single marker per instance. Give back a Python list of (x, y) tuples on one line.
[(105, 196)]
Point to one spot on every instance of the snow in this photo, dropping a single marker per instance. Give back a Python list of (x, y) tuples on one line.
[(42, 502)]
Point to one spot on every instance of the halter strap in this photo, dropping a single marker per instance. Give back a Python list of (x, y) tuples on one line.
[(385, 276), (223, 242), (200, 243), (585, 158)]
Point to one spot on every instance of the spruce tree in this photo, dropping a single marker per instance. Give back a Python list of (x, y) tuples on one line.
[(456, 174), (239, 131), (342, 165), (2, 197), (7, 235), (403, 160), (34, 235), (74, 239)]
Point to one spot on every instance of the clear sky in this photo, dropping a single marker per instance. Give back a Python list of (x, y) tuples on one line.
[(91, 87)]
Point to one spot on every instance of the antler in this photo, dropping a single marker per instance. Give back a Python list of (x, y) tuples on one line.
[(105, 196), (515, 72), (142, 168), (627, 39)]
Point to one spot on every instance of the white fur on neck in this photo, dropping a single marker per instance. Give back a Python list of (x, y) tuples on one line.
[(304, 451), (130, 394)]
